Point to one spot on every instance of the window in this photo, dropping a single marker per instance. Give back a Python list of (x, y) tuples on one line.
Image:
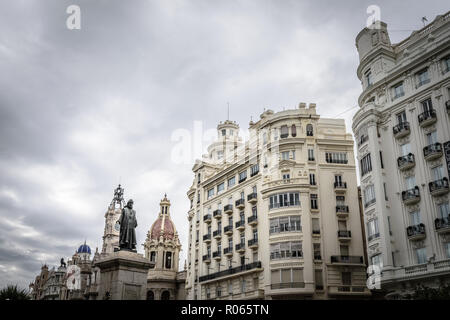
[(336, 157), (422, 77), (405, 149), (168, 260), (344, 250), (264, 138), (254, 170), (284, 132), (275, 134), (312, 179), (284, 224), (315, 226), (285, 155), (414, 218), (231, 181), (254, 211), (231, 132), (401, 117), (285, 250), (310, 154), (381, 160), (210, 193), (218, 291), (368, 76), (242, 176), (153, 257), (340, 200), (397, 91), (347, 278), (410, 182), (421, 254), (338, 181), (220, 187), (369, 195), (447, 249), (293, 154), (437, 173), (432, 137), (284, 200), (427, 106), (197, 236), (314, 204), (366, 165), (219, 155), (385, 192), (230, 288), (317, 254), (224, 132), (446, 64), (243, 287), (286, 177), (444, 211), (373, 231), (309, 130), (293, 131), (198, 197)]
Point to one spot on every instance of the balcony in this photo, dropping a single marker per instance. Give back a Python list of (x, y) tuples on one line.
[(228, 251), (416, 232), (240, 247), (347, 259), (207, 238), (228, 230), (427, 118), (316, 233), (240, 204), (447, 106), (228, 209), (411, 196), (207, 218), (246, 267), (252, 198), (287, 285), (240, 225), (438, 187), (344, 235), (217, 214), (442, 225), (252, 220), (401, 130), (348, 290), (217, 234), (406, 162), (432, 151), (253, 243), (207, 258), (340, 187), (217, 255), (342, 211)]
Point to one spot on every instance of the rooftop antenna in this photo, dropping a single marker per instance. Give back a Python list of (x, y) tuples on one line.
[(424, 20)]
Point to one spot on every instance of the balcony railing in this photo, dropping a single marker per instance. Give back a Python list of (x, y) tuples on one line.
[(344, 234), (406, 162), (427, 117), (228, 250), (252, 219), (347, 259), (432, 151), (217, 233), (401, 129), (442, 223), (207, 237), (240, 224), (411, 195), (228, 229), (287, 285), (362, 140), (416, 231), (373, 236), (217, 213), (228, 208), (340, 185), (252, 242), (230, 271), (341, 209), (438, 187), (240, 203), (252, 197), (240, 246), (206, 257), (216, 254), (207, 217)]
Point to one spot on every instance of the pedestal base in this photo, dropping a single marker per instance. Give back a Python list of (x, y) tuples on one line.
[(123, 276)]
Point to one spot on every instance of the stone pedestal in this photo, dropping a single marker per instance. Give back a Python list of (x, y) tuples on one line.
[(123, 276)]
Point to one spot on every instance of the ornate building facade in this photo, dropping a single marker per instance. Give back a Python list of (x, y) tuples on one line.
[(403, 146), (162, 247), (277, 217)]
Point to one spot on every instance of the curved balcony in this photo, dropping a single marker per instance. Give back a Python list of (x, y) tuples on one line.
[(432, 151), (344, 235), (207, 238), (253, 243), (228, 209), (207, 218), (406, 162), (427, 118), (252, 220), (416, 232), (438, 187), (207, 258), (340, 187), (252, 198), (217, 234), (240, 204), (342, 211), (401, 130), (240, 225), (228, 230), (442, 225), (217, 214), (217, 255), (228, 251), (240, 247), (411, 196), (347, 259)]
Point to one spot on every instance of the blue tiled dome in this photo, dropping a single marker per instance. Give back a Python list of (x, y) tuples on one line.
[(84, 248)]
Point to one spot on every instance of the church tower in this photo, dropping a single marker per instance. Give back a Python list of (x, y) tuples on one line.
[(162, 246), (111, 232)]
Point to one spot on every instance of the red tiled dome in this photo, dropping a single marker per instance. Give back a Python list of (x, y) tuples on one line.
[(168, 232)]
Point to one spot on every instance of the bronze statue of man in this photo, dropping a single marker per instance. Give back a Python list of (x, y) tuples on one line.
[(128, 223)]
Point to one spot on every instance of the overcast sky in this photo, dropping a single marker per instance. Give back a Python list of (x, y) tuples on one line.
[(81, 110)]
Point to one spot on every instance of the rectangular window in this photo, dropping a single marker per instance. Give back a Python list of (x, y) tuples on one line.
[(310, 154), (319, 279), (401, 117), (210, 193), (285, 155), (421, 254), (398, 91), (284, 131), (254, 170), (447, 249), (437, 173), (366, 165), (315, 226), (317, 253), (410, 182), (314, 204), (427, 105), (231, 181), (373, 229), (219, 155), (381, 160), (284, 200), (368, 76), (432, 137), (220, 187), (422, 77), (443, 209), (446, 64), (415, 218), (336, 157), (242, 176), (312, 179), (369, 195), (347, 278)]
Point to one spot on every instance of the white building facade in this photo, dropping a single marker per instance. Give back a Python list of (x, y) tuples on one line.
[(402, 130), (277, 217)]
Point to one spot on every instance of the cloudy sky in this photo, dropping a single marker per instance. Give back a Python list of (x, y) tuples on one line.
[(81, 110)]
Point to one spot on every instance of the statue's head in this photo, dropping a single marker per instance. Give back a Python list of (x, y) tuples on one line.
[(130, 203)]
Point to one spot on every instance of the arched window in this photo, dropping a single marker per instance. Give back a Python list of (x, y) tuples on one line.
[(309, 130), (168, 260), (150, 295), (293, 131), (165, 295)]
